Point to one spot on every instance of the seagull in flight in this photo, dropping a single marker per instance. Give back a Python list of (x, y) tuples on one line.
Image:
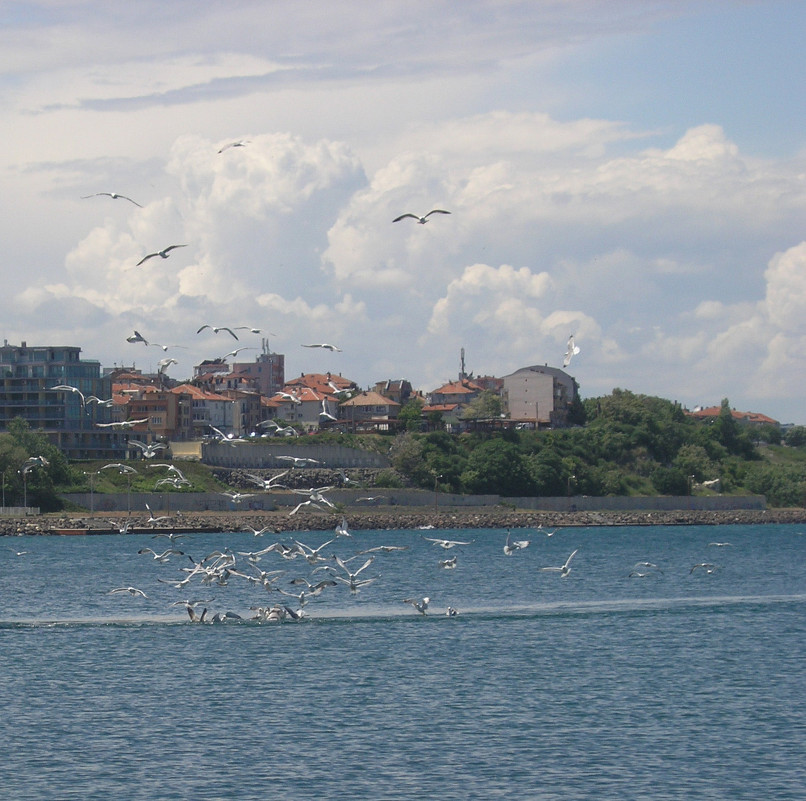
[(514, 545), (571, 350), (422, 220), (137, 337), (161, 253), (133, 591), (420, 606), (446, 544), (216, 328), (324, 345), (113, 195), (68, 388), (299, 461), (154, 520), (150, 450), (239, 143), (162, 558), (563, 570)]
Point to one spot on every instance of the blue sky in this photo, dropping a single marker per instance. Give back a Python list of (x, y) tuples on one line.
[(630, 172)]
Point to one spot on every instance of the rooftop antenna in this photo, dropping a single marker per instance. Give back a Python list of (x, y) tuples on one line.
[(462, 361)]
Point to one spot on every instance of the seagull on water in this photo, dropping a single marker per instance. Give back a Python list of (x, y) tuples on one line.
[(563, 570), (161, 253), (113, 195), (422, 220)]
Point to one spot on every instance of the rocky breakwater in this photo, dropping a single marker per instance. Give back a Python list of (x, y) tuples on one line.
[(380, 518)]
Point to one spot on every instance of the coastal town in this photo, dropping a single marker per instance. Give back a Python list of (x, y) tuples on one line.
[(90, 411)]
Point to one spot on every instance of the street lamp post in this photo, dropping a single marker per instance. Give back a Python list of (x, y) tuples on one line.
[(92, 488)]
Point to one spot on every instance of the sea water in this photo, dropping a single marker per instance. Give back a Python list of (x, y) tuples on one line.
[(672, 684)]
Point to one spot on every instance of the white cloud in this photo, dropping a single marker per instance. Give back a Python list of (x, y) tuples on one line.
[(656, 253)]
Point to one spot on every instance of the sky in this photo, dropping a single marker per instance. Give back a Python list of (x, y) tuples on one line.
[(632, 172)]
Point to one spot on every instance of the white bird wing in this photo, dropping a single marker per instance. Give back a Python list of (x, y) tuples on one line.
[(568, 560)]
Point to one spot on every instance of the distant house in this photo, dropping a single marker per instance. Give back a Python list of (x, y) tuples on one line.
[(539, 395), (462, 392), (754, 419), (321, 382), (398, 390), (369, 411), (304, 408), (208, 409)]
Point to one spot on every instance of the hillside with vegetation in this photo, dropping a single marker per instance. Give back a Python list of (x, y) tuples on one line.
[(622, 444), (626, 444)]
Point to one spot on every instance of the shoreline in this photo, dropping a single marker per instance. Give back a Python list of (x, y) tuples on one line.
[(381, 519)]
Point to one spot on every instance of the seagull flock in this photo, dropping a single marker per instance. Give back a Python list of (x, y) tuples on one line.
[(571, 350), (301, 572)]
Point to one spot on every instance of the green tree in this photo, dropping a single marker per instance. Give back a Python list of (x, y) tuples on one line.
[(795, 437), (411, 414), (486, 406), (497, 467)]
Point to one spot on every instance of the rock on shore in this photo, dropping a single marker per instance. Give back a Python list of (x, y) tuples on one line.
[(384, 519)]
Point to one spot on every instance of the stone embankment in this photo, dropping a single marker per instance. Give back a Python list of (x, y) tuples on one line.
[(384, 519)]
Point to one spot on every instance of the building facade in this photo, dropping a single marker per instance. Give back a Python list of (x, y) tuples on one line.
[(29, 375), (539, 395)]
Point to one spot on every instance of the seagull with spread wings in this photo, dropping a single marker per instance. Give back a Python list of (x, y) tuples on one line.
[(422, 220), (113, 195), (324, 345), (163, 254)]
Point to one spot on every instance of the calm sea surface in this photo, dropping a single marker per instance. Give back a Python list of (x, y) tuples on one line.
[(600, 685)]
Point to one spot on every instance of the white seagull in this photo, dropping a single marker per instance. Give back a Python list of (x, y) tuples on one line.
[(422, 220), (133, 591), (514, 545), (447, 543), (216, 328), (154, 520), (570, 351), (150, 450), (299, 461), (239, 143), (161, 253), (68, 388), (563, 570), (420, 606), (163, 557), (113, 195), (324, 345), (137, 337)]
